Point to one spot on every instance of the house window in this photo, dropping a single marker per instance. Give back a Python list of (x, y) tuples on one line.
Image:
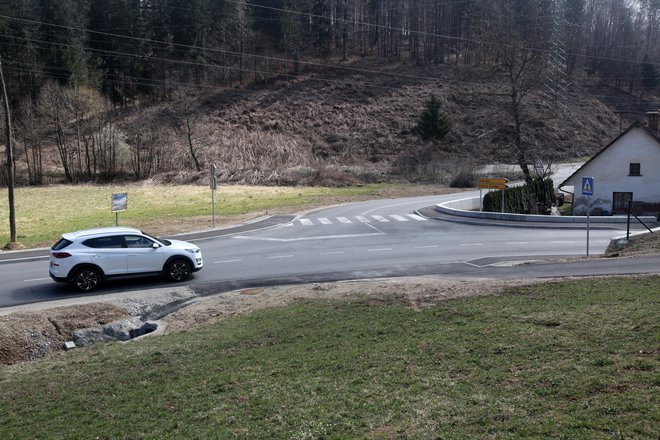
[(635, 169), (620, 202)]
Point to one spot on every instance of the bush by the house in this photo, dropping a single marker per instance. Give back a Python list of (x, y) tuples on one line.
[(515, 198)]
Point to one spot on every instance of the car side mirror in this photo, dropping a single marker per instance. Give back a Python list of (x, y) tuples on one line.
[(155, 245)]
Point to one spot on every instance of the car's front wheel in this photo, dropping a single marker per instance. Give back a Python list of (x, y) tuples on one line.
[(178, 270), (86, 279)]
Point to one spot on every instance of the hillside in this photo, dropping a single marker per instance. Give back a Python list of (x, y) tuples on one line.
[(349, 124), (288, 92), (363, 119)]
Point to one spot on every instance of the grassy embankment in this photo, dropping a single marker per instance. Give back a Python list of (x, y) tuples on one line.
[(44, 213), (575, 359)]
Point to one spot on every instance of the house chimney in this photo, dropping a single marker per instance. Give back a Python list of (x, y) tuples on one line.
[(653, 121)]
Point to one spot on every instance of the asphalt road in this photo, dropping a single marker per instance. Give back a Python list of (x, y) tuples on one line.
[(361, 240)]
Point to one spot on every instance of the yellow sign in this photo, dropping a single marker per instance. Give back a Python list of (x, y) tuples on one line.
[(492, 186), (490, 183)]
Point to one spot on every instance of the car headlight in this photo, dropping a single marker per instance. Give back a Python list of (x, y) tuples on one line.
[(193, 251)]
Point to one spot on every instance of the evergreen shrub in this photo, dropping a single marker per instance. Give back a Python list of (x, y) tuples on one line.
[(515, 198)]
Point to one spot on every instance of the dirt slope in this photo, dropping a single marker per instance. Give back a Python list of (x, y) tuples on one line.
[(365, 117)]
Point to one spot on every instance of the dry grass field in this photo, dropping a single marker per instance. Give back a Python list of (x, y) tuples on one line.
[(43, 213)]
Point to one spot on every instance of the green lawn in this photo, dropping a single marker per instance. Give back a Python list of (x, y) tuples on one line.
[(44, 213), (573, 360)]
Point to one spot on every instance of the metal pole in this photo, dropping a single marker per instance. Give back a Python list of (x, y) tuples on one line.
[(628, 226), (214, 185), (116, 218), (588, 209), (481, 203), (502, 201)]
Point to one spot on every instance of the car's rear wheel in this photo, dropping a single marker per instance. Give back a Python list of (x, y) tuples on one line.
[(86, 279), (178, 270)]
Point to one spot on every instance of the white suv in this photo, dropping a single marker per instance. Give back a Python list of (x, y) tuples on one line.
[(85, 258)]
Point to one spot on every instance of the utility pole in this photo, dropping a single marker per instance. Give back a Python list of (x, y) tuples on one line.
[(11, 175)]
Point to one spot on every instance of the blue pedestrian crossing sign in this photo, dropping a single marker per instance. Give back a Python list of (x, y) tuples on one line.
[(587, 186)]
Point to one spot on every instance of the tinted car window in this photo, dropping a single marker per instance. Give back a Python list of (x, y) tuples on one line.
[(137, 241), (157, 239), (61, 244), (115, 241)]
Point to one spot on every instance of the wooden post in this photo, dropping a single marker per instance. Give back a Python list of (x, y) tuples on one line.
[(11, 174)]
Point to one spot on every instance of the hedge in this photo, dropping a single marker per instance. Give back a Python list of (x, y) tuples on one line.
[(515, 198)]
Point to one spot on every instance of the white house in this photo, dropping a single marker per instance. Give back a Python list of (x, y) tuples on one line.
[(626, 169)]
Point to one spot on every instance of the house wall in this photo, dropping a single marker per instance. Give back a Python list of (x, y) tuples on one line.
[(610, 172)]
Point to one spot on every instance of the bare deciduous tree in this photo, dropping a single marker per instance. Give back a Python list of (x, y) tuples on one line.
[(86, 106), (519, 30), (29, 123), (145, 145), (53, 105), (186, 127)]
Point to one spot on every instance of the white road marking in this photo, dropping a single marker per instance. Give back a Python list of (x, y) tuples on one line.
[(306, 221), (369, 225), (398, 218), (417, 217), (227, 261), (280, 256), (324, 221), (379, 250), (426, 247), (419, 201), (472, 244), (344, 220), (321, 237), (332, 253), (362, 219), (35, 279), (380, 218)]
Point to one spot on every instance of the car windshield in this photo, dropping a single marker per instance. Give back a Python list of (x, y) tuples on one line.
[(159, 240)]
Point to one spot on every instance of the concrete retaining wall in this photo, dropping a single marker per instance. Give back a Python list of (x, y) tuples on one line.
[(469, 207)]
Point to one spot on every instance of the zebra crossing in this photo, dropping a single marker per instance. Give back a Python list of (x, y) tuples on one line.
[(361, 219)]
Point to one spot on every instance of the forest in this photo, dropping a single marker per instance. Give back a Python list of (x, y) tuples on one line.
[(136, 88)]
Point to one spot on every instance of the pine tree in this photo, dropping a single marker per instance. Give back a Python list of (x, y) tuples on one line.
[(433, 122)]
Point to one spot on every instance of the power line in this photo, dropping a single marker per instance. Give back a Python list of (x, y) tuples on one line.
[(165, 82), (215, 66), (214, 50), (247, 70), (137, 81), (389, 28), (421, 33)]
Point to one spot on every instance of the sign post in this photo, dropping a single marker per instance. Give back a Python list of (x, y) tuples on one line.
[(492, 183), (214, 185), (119, 203), (538, 166), (588, 190)]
